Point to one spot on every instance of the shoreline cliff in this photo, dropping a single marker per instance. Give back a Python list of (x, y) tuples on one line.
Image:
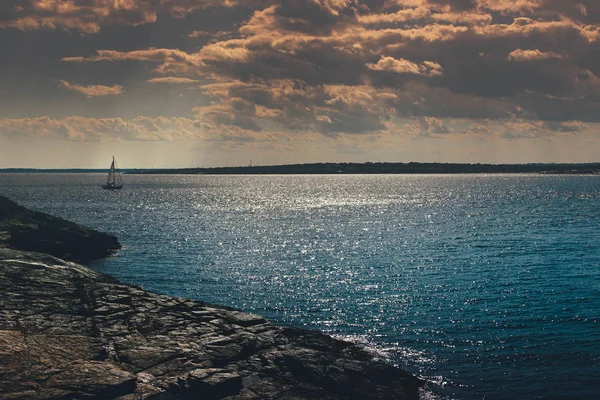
[(68, 332)]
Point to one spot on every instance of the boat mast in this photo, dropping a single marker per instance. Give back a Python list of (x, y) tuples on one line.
[(111, 174), (117, 175)]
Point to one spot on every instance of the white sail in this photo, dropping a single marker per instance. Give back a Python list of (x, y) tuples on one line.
[(118, 180), (114, 180), (111, 174)]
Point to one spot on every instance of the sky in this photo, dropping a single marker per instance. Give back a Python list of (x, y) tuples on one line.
[(194, 83)]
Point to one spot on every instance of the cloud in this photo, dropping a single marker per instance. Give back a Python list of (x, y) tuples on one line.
[(567, 126), (402, 66), (532, 55), (404, 135), (219, 34), (518, 7), (337, 66), (293, 105), (90, 16), (76, 128), (93, 129), (93, 90), (173, 79), (170, 61), (431, 125)]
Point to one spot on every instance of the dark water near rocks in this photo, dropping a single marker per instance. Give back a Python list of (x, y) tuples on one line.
[(487, 285)]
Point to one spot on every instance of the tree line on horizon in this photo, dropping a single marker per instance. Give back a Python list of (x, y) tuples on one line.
[(385, 168)]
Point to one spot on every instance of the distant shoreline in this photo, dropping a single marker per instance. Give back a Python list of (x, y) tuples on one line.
[(349, 168), (383, 168), (59, 171)]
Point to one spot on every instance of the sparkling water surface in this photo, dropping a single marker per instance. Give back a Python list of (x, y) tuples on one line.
[(487, 285)]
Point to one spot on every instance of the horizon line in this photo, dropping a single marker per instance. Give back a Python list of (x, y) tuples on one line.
[(328, 163)]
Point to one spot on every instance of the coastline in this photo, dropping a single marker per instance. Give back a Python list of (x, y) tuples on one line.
[(383, 168), (67, 331), (349, 168)]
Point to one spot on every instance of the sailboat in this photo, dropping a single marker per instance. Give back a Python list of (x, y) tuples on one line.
[(114, 180)]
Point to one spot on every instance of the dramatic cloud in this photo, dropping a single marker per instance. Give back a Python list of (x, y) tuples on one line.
[(339, 68), (90, 16), (93, 90), (456, 60)]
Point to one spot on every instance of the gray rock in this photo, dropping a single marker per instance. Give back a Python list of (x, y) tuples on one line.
[(28, 230), (69, 332)]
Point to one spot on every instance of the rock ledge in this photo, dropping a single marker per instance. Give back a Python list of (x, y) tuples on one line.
[(68, 332), (28, 230)]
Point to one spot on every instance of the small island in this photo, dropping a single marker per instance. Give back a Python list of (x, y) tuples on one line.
[(68, 332)]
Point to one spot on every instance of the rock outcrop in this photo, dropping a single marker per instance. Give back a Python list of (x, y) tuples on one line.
[(68, 332), (28, 230)]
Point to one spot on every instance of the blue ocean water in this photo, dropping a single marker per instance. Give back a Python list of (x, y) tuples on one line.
[(487, 285)]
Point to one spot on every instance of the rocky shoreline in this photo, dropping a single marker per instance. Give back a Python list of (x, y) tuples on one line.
[(68, 332), (28, 230)]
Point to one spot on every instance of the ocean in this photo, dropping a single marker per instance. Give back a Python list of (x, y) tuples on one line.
[(486, 285)]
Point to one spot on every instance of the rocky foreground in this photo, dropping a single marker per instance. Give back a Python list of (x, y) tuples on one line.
[(68, 332)]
